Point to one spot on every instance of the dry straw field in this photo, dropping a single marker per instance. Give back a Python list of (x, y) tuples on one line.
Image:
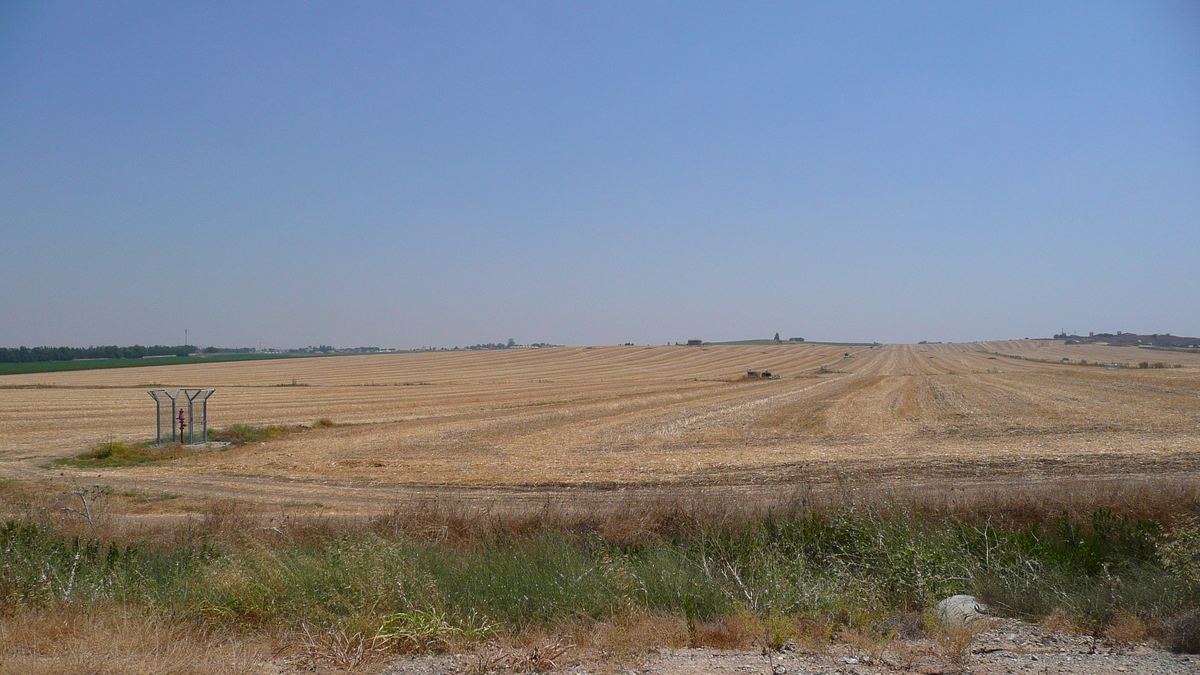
[(521, 424)]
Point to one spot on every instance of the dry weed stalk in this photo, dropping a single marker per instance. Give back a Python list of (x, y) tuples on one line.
[(866, 643), (540, 657), (954, 642), (335, 647), (88, 496)]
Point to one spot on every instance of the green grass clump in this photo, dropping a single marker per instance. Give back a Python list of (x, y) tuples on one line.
[(117, 454), (246, 433)]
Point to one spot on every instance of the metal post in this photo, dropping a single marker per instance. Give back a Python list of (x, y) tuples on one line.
[(180, 432), (157, 419), (168, 395)]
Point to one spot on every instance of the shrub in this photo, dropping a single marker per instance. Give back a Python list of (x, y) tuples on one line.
[(116, 454), (245, 433), (1183, 634)]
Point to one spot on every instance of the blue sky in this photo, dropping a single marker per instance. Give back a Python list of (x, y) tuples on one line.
[(444, 173)]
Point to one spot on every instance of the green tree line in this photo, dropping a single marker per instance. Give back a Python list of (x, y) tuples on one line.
[(41, 354)]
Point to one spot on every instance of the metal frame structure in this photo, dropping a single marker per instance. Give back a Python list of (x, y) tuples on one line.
[(188, 434)]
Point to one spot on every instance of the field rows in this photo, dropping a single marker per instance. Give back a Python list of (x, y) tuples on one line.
[(640, 415), (60, 413)]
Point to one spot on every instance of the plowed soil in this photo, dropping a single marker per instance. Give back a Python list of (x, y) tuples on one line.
[(586, 421)]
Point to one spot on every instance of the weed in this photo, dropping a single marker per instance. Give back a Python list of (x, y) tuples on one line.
[(88, 496), (540, 657), (814, 634), (1058, 622), (1180, 550), (428, 630), (740, 631), (117, 454), (1183, 633), (780, 630), (332, 645), (954, 642), (1127, 628), (245, 433)]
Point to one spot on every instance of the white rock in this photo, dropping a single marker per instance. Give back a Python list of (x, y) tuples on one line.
[(959, 610)]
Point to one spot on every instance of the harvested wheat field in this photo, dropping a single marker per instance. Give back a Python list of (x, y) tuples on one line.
[(591, 420)]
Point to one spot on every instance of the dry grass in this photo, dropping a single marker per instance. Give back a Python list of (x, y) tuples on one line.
[(532, 656), (631, 636), (120, 639), (635, 519), (1059, 622), (737, 631), (954, 642), (1127, 628), (623, 641)]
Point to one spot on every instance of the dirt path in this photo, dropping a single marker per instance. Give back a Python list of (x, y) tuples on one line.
[(1007, 647)]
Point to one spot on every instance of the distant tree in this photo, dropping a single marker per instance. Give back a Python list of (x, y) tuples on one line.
[(777, 337), (511, 342)]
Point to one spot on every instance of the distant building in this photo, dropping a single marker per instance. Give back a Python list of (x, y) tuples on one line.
[(695, 343)]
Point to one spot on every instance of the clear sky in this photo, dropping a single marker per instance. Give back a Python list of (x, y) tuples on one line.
[(439, 173)]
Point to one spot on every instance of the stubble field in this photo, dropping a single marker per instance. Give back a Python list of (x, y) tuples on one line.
[(521, 424)]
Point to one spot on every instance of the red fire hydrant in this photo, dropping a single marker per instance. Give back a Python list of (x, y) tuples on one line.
[(182, 424)]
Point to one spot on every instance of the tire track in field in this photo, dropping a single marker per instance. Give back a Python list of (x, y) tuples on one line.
[(725, 414)]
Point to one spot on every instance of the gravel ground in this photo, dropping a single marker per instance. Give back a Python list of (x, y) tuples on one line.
[(1007, 646)]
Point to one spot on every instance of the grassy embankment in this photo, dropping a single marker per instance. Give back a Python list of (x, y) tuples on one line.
[(1118, 560)]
